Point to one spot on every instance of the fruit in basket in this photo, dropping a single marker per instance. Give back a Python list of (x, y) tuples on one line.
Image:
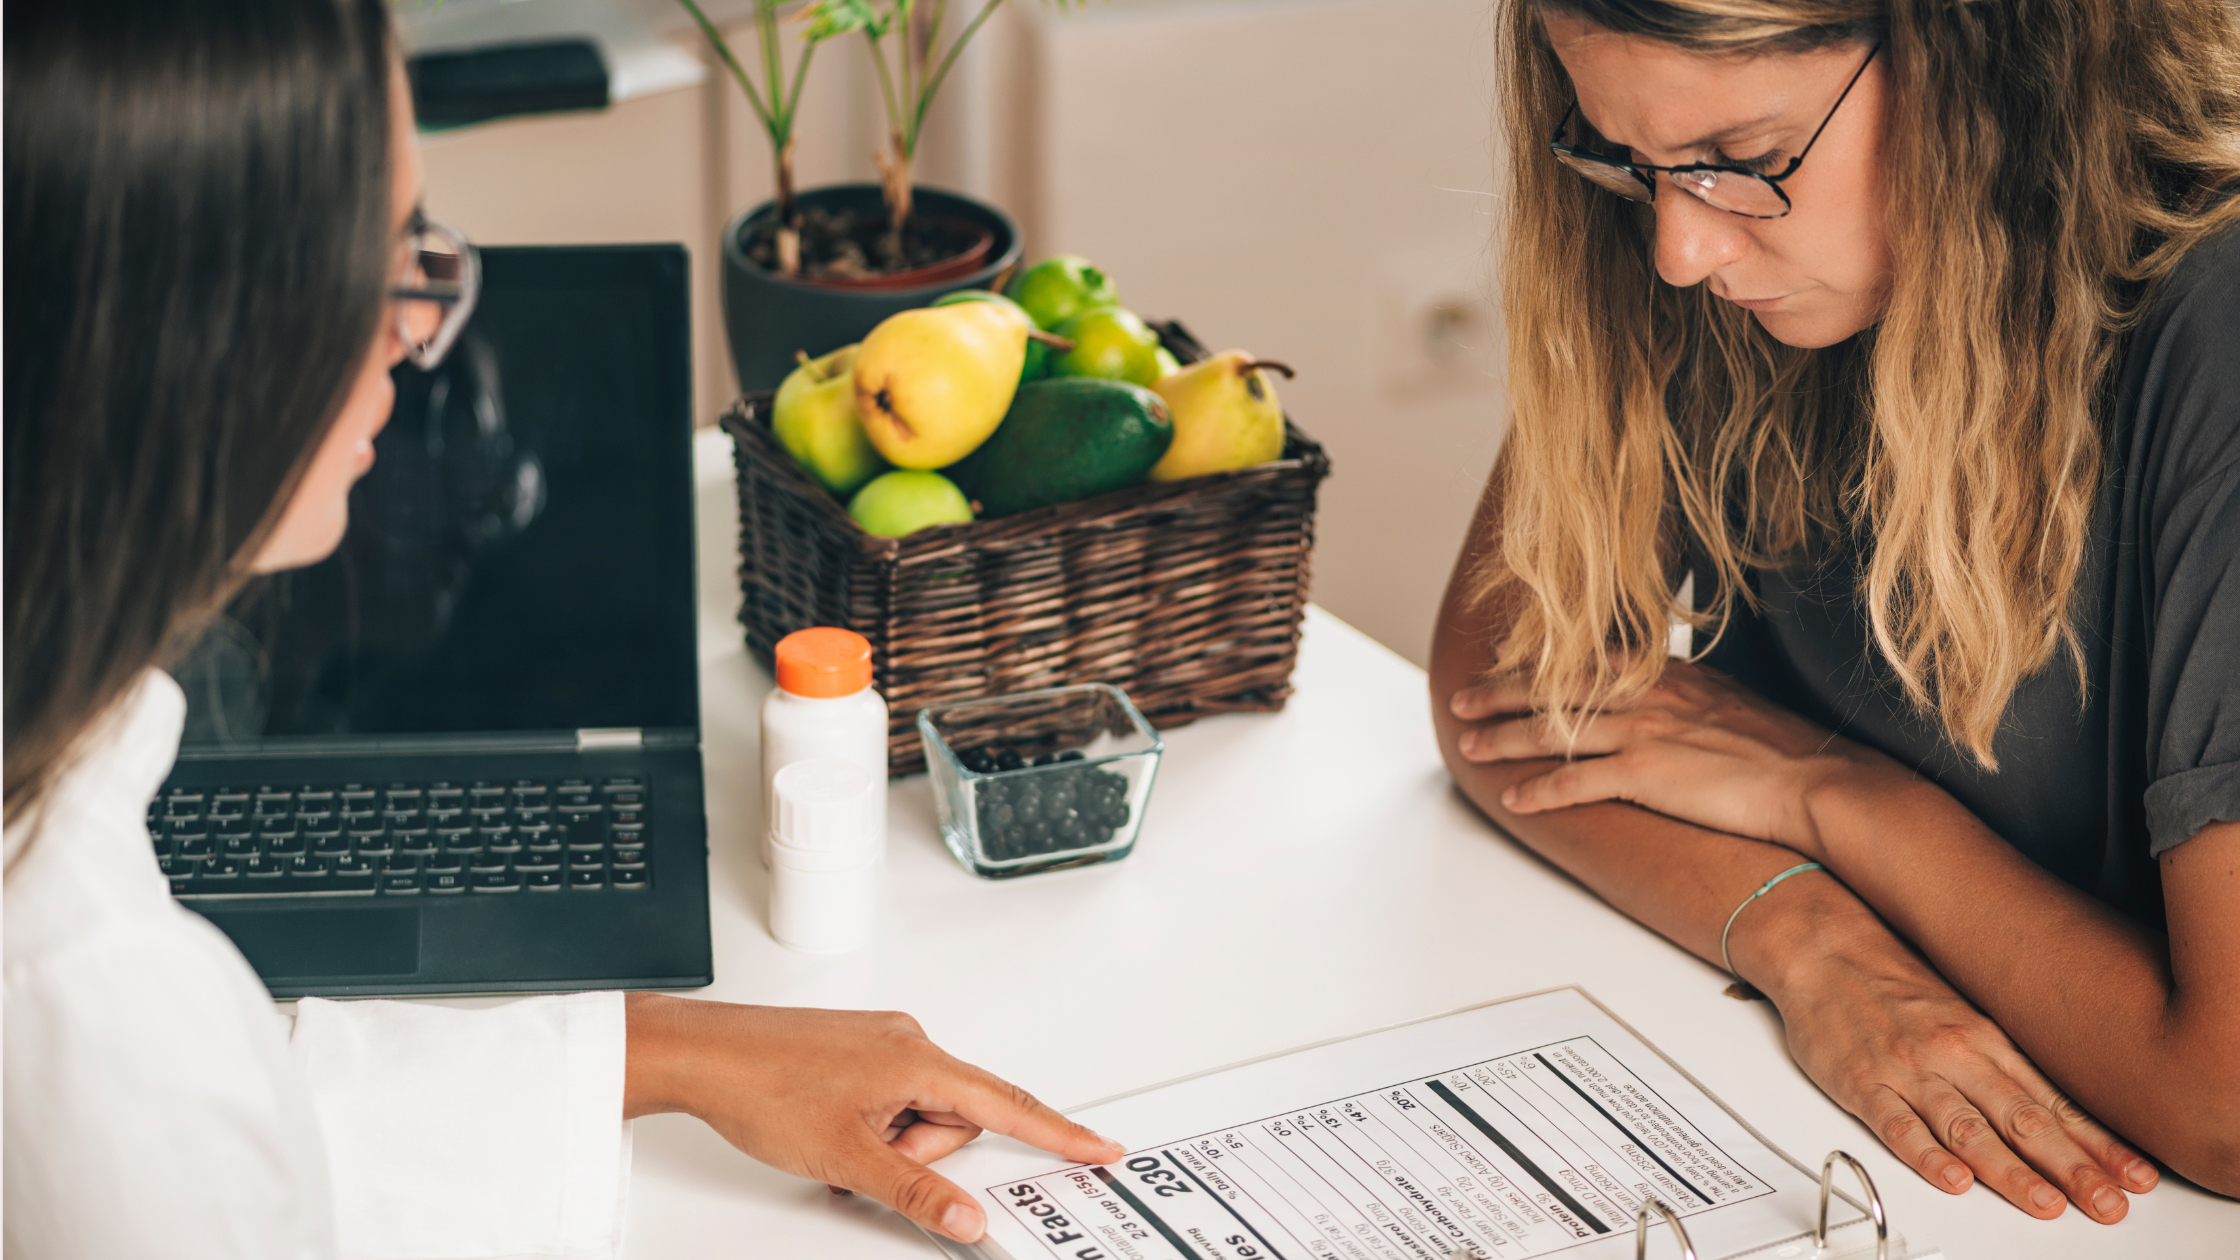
[(1111, 343), (1226, 416), (932, 383), (1057, 289), (814, 418), (908, 500), (1066, 439), (1168, 364), (1038, 352)]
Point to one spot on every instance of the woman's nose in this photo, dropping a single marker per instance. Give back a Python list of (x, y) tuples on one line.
[(1695, 239)]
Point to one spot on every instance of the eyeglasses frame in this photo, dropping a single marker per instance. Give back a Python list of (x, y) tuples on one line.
[(1643, 171), (427, 355)]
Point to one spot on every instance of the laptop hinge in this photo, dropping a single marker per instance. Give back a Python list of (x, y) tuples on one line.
[(601, 738)]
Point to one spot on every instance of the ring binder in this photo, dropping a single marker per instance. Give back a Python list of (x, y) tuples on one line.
[(1874, 1205), (1679, 1231)]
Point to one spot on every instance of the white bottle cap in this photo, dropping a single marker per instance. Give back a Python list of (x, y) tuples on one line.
[(823, 805)]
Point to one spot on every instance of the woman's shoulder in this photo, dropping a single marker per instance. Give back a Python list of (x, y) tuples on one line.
[(2178, 394)]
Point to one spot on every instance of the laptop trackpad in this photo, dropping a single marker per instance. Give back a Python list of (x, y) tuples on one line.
[(326, 943)]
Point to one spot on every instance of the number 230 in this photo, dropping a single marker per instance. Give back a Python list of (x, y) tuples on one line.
[(1161, 1179)]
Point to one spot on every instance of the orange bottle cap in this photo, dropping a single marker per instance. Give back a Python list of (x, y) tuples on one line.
[(824, 662)]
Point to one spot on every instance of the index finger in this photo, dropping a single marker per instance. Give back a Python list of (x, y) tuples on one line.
[(1488, 699), (985, 1099)]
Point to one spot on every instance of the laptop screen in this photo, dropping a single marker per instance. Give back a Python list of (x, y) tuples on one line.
[(520, 558)]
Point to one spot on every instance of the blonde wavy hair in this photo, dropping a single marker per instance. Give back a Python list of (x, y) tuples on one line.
[(2046, 164)]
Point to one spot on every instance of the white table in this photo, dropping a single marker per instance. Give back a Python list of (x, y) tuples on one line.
[(1301, 876)]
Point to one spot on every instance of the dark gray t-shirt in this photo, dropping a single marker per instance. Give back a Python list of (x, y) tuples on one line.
[(2095, 791)]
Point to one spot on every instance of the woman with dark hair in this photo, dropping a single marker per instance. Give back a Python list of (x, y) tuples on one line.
[(212, 263), (1901, 333)]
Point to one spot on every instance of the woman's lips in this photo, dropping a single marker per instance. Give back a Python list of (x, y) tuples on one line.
[(1759, 304)]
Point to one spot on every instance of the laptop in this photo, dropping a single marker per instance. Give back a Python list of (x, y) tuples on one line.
[(462, 755)]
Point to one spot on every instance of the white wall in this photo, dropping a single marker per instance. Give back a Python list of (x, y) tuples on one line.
[(1305, 180)]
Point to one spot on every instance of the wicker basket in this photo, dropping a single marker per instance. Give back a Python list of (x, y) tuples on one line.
[(1187, 595)]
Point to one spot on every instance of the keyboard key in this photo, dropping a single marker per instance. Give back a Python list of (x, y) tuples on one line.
[(220, 875), (400, 883), (378, 844), (240, 846), (583, 830), (353, 875), (335, 845), (585, 881), (314, 799), (286, 846), (235, 825), (629, 838), (537, 862), (446, 798), (631, 817), (486, 796), (541, 881), (497, 882), (536, 836), (400, 797), (532, 816), (357, 799), (459, 840), (413, 839), (577, 859), (488, 817), (498, 839), (197, 847), (631, 858), (403, 819), (258, 868), (307, 874), (488, 862), (228, 805), (275, 803), (629, 880), (576, 800), (446, 881)]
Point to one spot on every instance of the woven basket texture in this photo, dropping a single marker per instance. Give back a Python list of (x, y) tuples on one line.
[(1186, 595)]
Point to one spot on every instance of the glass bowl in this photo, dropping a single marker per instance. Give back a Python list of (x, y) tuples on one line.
[(1041, 780)]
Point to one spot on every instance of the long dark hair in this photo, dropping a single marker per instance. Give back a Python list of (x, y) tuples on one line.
[(198, 204)]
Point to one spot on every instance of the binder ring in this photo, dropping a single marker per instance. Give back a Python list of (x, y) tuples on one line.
[(1679, 1231), (1874, 1205)]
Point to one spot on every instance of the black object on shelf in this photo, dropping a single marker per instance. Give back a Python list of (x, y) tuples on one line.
[(457, 86)]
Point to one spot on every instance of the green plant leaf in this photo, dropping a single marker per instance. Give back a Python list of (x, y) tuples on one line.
[(830, 18)]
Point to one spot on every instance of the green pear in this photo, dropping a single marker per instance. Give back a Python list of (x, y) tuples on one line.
[(814, 418), (932, 383), (1225, 415), (1057, 289), (908, 500), (1111, 343)]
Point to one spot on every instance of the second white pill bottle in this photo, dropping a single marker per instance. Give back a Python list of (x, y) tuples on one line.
[(824, 709), (824, 868)]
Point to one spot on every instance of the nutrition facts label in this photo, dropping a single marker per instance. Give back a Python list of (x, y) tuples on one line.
[(1521, 1155)]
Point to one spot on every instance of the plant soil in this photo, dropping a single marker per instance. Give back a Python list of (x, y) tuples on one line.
[(843, 245)]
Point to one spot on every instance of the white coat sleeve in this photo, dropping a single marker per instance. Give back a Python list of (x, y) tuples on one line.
[(486, 1134)]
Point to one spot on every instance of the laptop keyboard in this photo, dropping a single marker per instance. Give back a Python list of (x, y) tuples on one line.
[(570, 836)]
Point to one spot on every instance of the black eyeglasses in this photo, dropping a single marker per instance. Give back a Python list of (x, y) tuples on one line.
[(436, 288), (1734, 189)]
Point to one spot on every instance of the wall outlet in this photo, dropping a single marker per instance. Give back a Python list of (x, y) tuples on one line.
[(1436, 327)]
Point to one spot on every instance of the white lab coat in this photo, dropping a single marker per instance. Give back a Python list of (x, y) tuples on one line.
[(158, 1105)]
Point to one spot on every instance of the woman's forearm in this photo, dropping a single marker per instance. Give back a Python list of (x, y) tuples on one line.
[(2097, 1000)]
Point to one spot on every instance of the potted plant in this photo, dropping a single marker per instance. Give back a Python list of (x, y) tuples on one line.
[(809, 272)]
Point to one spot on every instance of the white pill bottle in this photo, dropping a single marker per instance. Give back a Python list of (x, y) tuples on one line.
[(824, 856), (824, 709)]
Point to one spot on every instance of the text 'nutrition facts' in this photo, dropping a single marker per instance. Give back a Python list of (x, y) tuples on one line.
[(1515, 1156)]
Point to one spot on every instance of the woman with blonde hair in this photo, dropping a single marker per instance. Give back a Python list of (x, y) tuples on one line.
[(1902, 335)]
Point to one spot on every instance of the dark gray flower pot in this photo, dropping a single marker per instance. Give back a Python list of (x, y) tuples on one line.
[(769, 318)]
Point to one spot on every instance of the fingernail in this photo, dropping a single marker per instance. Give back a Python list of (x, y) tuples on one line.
[(1956, 1176), (838, 1190), (2044, 1196), (2107, 1201), (963, 1222), (2141, 1173), (1509, 797), (1468, 742), (1107, 1141)]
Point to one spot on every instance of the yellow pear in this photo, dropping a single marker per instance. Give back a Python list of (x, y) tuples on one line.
[(933, 383), (1225, 413)]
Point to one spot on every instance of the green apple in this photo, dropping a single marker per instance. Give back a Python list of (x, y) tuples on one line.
[(814, 418), (908, 500), (1109, 343), (1038, 354), (1057, 289)]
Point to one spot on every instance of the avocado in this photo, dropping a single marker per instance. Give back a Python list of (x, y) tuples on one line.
[(1065, 439)]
